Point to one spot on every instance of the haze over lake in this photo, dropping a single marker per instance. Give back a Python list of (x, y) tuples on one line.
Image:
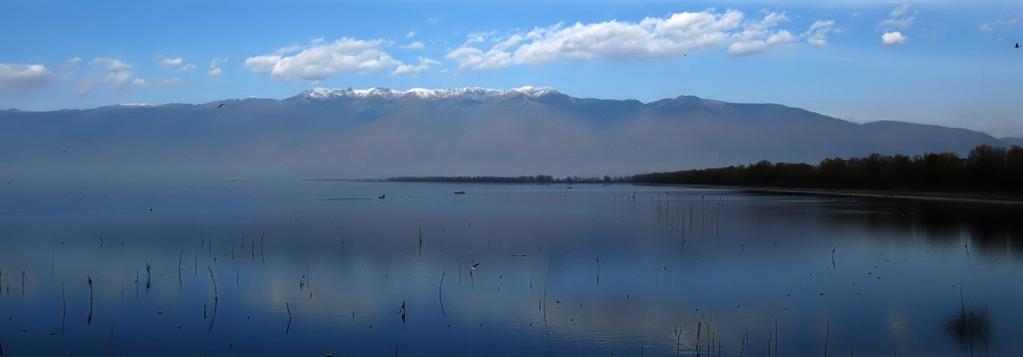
[(503, 270)]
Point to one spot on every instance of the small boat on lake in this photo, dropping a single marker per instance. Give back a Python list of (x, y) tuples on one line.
[(459, 192)]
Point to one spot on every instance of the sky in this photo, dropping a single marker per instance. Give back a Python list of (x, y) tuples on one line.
[(948, 63)]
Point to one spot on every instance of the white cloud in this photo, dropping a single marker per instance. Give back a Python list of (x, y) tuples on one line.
[(410, 34), (893, 38), (758, 36), (991, 26), (20, 76), (173, 81), (817, 35), (177, 64), (743, 48), (66, 69), (115, 73), (478, 37), (416, 46), (118, 73), (111, 64), (900, 10), (652, 37), (214, 69), (408, 69), (320, 59), (900, 18)]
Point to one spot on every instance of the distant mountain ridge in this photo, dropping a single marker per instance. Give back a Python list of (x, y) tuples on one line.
[(381, 132), (425, 93)]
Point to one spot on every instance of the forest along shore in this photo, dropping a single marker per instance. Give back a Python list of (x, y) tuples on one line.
[(963, 197)]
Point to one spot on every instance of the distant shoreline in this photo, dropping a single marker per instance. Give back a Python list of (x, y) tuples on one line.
[(964, 197), (961, 197)]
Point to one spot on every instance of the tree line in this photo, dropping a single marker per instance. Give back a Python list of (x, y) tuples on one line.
[(986, 169)]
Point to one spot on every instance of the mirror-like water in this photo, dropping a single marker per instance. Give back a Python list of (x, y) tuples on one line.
[(310, 268)]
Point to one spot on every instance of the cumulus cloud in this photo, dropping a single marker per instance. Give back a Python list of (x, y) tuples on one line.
[(177, 64), (991, 26), (893, 38), (408, 69), (214, 69), (71, 62), (416, 46), (173, 81), (478, 37), (743, 48), (67, 68), (320, 59), (111, 64), (758, 36), (21, 76), (899, 18), (817, 35), (115, 73), (651, 37)]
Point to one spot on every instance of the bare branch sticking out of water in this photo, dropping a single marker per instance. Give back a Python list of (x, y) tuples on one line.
[(88, 320), (111, 343), (546, 283), (287, 307), (181, 257), (216, 299), (827, 337), (969, 325), (63, 301), (440, 289), (402, 312)]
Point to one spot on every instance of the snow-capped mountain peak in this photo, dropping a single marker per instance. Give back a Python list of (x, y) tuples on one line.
[(425, 93)]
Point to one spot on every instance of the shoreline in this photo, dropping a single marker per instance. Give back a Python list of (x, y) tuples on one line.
[(882, 194), (933, 196)]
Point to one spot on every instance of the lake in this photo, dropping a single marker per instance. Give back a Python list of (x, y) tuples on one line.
[(255, 268)]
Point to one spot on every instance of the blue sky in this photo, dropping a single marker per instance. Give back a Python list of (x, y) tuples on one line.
[(942, 62)]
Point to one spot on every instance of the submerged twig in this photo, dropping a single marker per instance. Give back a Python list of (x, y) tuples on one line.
[(402, 312), (88, 320), (216, 298), (63, 301), (546, 283), (440, 289), (111, 343), (827, 337), (181, 256), (288, 328)]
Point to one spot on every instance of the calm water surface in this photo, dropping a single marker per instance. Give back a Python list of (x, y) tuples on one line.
[(310, 268)]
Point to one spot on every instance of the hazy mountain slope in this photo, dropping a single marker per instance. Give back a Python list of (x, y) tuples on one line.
[(1012, 141), (363, 133)]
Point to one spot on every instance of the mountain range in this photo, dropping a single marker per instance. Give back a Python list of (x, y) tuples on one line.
[(360, 133)]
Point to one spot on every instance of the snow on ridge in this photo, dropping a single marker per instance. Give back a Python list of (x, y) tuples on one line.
[(425, 93)]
